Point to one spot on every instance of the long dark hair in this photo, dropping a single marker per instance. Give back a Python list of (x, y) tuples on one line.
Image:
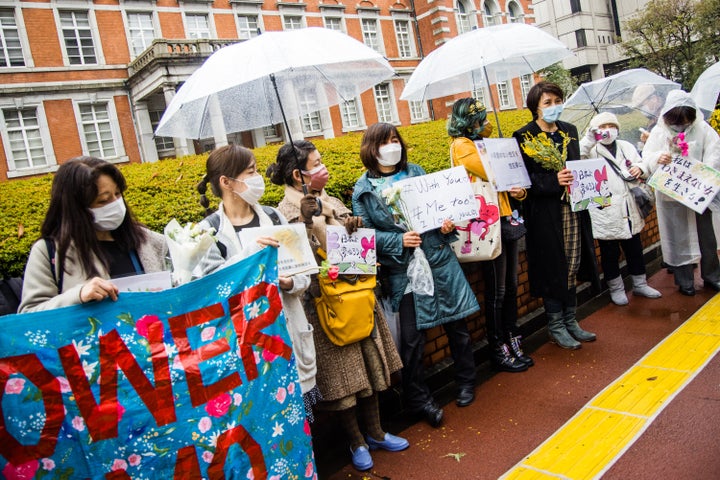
[(375, 136), (281, 172), (229, 161), (69, 219)]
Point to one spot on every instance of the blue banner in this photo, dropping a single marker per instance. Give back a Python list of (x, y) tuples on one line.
[(194, 382)]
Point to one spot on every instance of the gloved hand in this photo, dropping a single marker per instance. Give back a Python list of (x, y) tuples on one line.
[(308, 206), (590, 136), (352, 224)]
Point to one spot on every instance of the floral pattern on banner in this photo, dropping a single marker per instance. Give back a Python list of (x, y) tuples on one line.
[(203, 375)]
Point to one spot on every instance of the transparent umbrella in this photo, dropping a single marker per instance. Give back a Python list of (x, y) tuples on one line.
[(635, 96), (707, 88), (272, 77), (485, 55)]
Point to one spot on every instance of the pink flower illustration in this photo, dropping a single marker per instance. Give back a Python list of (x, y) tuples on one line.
[(267, 355), (309, 470), (250, 475), (204, 424), (291, 388), (15, 386), (280, 395), (207, 456), (219, 406), (207, 334), (25, 471), (121, 411), (134, 460), (306, 427), (64, 385), (143, 324), (237, 399), (274, 477), (333, 272), (78, 423), (257, 357), (48, 464), (119, 464)]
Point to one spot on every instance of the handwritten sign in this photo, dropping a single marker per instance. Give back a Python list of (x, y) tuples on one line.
[(590, 188), (294, 252), (198, 381), (430, 199), (503, 163), (353, 254), (692, 183)]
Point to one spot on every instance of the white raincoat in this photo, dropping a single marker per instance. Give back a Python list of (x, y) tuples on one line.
[(622, 219), (676, 222)]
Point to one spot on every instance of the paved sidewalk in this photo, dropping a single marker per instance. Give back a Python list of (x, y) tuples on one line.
[(515, 413)]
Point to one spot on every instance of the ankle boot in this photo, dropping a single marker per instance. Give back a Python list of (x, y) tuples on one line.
[(558, 333), (503, 360), (573, 327), (642, 289), (517, 351), (617, 291)]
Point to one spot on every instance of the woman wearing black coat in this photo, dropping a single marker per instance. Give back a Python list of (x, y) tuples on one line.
[(559, 242)]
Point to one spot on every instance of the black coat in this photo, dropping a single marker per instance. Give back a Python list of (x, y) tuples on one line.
[(547, 266)]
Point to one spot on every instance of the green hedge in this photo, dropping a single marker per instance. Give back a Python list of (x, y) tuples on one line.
[(160, 191)]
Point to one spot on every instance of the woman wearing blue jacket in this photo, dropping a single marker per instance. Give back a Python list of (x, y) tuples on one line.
[(384, 154)]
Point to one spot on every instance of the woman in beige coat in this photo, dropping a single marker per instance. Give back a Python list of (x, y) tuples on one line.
[(350, 376)]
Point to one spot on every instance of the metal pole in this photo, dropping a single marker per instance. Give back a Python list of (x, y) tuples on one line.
[(492, 101)]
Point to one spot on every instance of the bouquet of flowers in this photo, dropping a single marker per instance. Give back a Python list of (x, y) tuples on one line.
[(419, 273), (680, 145), (543, 150), (329, 270), (188, 245)]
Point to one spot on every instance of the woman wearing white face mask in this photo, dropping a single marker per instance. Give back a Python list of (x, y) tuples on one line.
[(383, 153), (232, 175), (619, 225), (686, 237), (94, 236)]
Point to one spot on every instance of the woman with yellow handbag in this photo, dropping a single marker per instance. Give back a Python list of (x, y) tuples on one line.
[(349, 375)]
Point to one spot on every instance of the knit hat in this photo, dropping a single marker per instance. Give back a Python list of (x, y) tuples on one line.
[(603, 118)]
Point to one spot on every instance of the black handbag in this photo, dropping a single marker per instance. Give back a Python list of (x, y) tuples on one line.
[(512, 228), (642, 193)]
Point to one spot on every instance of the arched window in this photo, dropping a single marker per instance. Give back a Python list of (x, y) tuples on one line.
[(464, 17), (489, 11), (515, 13)]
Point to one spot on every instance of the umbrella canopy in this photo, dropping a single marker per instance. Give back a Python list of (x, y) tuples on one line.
[(626, 94), (492, 54), (707, 88), (260, 81)]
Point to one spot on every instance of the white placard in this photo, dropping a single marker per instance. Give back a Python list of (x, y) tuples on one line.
[(692, 183), (430, 199), (353, 254), (503, 163), (590, 187), (147, 282), (294, 252)]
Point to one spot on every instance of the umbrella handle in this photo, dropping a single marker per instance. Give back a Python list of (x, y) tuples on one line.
[(318, 212)]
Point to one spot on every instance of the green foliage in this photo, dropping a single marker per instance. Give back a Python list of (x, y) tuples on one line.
[(558, 74), (158, 192)]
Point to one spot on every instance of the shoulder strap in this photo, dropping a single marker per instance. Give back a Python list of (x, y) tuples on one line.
[(617, 170), (214, 220), (50, 245), (272, 213)]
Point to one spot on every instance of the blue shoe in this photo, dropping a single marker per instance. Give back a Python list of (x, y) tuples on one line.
[(391, 443), (361, 458)]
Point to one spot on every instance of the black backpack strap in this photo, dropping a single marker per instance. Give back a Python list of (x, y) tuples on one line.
[(272, 213), (214, 220), (50, 245)]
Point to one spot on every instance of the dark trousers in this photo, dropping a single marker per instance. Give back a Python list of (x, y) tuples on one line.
[(709, 263), (500, 278), (610, 256), (412, 347)]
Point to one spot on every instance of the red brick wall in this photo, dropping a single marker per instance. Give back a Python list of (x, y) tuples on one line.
[(171, 25), (112, 36), (43, 37), (225, 26), (63, 129), (127, 128)]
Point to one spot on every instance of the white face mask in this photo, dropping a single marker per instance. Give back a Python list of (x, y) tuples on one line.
[(110, 216), (254, 191), (390, 154), (612, 134)]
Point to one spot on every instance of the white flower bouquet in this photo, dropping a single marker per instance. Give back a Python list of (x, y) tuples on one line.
[(188, 245)]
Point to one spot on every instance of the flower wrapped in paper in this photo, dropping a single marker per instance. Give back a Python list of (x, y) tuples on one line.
[(188, 244)]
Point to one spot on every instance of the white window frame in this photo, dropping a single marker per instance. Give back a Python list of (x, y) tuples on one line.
[(490, 12), (526, 83), (481, 94), (372, 38), (520, 17), (143, 39), (405, 40), (192, 29), (349, 111), (311, 122), (93, 29), (162, 144), (465, 17), (20, 37), (271, 133), (506, 97), (44, 130), (248, 32), (109, 102), (339, 18), (418, 111), (292, 17), (384, 105)]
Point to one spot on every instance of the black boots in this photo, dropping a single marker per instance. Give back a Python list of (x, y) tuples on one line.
[(516, 349), (504, 361)]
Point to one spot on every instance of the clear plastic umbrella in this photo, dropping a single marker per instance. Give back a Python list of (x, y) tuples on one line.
[(635, 96), (485, 55), (272, 77), (707, 88)]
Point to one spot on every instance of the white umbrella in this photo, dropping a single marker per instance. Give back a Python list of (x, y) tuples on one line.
[(273, 76), (625, 94), (707, 88), (495, 54)]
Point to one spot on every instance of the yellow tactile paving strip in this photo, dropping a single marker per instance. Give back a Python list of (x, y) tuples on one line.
[(590, 442)]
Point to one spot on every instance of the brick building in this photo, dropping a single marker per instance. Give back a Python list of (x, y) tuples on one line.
[(93, 77)]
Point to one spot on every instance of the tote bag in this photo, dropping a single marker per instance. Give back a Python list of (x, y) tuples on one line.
[(480, 237)]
